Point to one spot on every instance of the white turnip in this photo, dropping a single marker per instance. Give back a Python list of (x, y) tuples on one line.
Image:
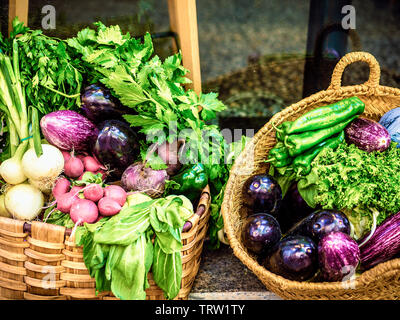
[(3, 210), (11, 169), (108, 206), (44, 169), (24, 201), (84, 210), (117, 193), (74, 168), (93, 192)]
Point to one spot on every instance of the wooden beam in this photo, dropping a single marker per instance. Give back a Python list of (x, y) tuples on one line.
[(183, 21), (17, 8)]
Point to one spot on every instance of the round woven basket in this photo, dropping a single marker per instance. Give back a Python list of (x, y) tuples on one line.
[(380, 282)]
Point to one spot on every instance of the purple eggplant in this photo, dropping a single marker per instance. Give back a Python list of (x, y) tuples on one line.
[(367, 135), (263, 194), (294, 258), (69, 130), (99, 105), (116, 146), (338, 256), (260, 233), (321, 222), (293, 209), (383, 245)]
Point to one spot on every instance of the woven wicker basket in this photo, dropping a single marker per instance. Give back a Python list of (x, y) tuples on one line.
[(380, 282), (38, 261)]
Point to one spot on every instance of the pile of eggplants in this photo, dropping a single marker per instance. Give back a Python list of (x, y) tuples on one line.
[(312, 244), (97, 129), (100, 130)]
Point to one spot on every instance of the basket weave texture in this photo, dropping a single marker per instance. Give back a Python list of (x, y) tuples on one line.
[(44, 264), (380, 282)]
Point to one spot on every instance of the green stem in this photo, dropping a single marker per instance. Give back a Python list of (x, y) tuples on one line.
[(21, 150), (276, 128), (36, 141), (13, 137), (61, 93)]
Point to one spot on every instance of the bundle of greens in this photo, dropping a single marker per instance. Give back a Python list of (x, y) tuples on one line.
[(50, 74), (119, 252), (363, 185)]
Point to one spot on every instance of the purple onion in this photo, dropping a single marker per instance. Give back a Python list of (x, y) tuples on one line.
[(338, 255)]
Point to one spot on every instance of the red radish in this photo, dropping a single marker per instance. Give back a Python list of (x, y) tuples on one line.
[(65, 201), (61, 186), (66, 155), (83, 210), (117, 193), (93, 192), (108, 206), (73, 168), (91, 164), (76, 189)]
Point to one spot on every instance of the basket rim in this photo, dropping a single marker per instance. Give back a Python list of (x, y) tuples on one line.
[(367, 89)]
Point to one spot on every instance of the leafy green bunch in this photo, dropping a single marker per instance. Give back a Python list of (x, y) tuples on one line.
[(119, 251), (50, 74)]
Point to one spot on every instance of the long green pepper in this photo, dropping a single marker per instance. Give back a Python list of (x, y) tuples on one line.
[(325, 117), (302, 163), (299, 143)]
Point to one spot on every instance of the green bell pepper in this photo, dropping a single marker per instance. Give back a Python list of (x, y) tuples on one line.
[(192, 181)]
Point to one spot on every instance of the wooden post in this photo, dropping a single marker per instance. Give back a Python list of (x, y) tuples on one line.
[(183, 21), (17, 8)]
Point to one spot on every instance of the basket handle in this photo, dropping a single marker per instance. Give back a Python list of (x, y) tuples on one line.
[(349, 58)]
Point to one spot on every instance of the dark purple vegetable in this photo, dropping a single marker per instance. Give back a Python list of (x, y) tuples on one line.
[(260, 233), (99, 105), (293, 209), (320, 223), (264, 194), (69, 130), (367, 135), (138, 177), (338, 256), (294, 258), (116, 146), (383, 245)]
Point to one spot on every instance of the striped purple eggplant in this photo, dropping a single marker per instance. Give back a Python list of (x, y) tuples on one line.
[(69, 130), (338, 255), (383, 245), (367, 135)]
